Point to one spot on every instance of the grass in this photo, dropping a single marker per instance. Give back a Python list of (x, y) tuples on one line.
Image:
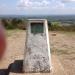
[(66, 32), (63, 45), (12, 32)]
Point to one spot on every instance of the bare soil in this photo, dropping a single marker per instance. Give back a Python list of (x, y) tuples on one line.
[(62, 45)]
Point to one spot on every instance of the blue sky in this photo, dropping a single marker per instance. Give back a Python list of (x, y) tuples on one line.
[(37, 7)]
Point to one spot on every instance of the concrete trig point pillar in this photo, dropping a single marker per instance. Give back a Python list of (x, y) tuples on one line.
[(37, 57)]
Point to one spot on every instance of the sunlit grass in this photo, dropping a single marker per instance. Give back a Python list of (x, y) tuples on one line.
[(13, 31)]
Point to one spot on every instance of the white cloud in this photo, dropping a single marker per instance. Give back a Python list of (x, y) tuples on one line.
[(46, 6), (68, 0), (29, 3), (59, 4), (40, 4)]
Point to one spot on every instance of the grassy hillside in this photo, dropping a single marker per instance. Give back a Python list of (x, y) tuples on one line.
[(54, 22)]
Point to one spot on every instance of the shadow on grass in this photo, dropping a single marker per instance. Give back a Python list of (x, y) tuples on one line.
[(3, 72), (15, 67)]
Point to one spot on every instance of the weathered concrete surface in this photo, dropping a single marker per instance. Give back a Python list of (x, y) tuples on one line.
[(37, 59), (57, 69), (37, 54)]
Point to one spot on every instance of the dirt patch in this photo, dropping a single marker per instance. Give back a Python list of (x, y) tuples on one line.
[(62, 45)]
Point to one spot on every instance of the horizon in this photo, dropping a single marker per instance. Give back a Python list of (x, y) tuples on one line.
[(37, 15)]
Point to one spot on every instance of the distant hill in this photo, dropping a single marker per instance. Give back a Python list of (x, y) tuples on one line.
[(49, 17)]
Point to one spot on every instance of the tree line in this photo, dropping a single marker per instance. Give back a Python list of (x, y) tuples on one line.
[(20, 23)]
